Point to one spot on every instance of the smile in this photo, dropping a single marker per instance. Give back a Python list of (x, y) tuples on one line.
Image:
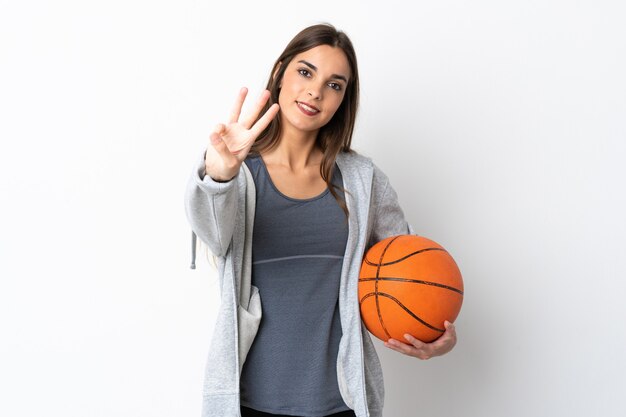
[(307, 109)]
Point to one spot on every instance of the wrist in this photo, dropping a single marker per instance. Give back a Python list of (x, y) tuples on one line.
[(218, 178)]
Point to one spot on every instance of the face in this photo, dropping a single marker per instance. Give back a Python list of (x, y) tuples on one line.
[(313, 87)]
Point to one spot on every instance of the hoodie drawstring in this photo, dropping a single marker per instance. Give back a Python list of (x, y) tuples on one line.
[(193, 250)]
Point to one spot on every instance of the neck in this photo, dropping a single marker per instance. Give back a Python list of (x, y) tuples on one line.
[(295, 151)]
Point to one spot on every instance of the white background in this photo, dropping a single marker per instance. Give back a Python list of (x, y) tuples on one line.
[(501, 125)]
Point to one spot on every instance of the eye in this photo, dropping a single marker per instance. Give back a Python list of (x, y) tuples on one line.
[(335, 86), (304, 72)]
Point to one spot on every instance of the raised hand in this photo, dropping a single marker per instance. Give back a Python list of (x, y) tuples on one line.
[(230, 143)]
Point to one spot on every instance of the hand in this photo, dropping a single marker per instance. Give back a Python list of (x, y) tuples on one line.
[(422, 350), (230, 143)]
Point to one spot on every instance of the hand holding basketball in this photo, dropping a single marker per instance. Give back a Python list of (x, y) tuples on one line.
[(421, 350), (410, 292)]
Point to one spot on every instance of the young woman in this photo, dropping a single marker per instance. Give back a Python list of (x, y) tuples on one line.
[(288, 210)]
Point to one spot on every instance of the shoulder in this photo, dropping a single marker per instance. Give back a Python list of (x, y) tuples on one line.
[(354, 159), (363, 165)]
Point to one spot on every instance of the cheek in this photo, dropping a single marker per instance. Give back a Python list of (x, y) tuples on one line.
[(287, 91), (289, 82)]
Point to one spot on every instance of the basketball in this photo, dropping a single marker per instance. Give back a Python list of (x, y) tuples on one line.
[(409, 284)]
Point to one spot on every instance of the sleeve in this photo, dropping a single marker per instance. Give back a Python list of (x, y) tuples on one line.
[(388, 218), (211, 208)]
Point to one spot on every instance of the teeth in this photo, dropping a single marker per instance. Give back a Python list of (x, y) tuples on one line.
[(307, 108)]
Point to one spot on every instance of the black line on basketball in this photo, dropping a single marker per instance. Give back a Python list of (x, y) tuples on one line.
[(415, 316), (413, 281), (380, 317), (367, 261)]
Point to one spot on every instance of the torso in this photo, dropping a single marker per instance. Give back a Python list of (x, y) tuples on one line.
[(298, 248)]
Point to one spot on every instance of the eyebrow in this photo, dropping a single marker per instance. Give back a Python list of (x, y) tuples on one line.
[(314, 68)]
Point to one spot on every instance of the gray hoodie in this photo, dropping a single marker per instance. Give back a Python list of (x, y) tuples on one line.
[(222, 216)]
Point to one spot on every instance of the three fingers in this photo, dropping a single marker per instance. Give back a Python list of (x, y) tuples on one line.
[(249, 119)]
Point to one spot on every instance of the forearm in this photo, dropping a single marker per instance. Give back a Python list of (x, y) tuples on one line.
[(211, 207)]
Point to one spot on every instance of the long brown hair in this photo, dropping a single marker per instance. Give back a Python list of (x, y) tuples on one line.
[(336, 135)]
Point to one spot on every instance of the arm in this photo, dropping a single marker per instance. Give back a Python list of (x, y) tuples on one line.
[(211, 198), (389, 221), (210, 207)]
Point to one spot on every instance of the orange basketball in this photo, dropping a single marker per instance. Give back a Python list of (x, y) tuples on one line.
[(409, 284)]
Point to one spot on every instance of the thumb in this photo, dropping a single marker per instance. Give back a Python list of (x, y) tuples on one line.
[(220, 146)]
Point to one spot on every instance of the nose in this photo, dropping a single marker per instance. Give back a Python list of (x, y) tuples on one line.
[(315, 92)]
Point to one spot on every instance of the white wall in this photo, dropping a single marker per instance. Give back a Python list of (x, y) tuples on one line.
[(501, 125)]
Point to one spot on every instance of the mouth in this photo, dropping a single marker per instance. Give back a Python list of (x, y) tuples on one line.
[(307, 108)]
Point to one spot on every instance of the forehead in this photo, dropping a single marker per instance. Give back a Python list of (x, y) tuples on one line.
[(327, 59)]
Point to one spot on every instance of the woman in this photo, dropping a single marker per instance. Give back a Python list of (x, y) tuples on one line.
[(288, 209)]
